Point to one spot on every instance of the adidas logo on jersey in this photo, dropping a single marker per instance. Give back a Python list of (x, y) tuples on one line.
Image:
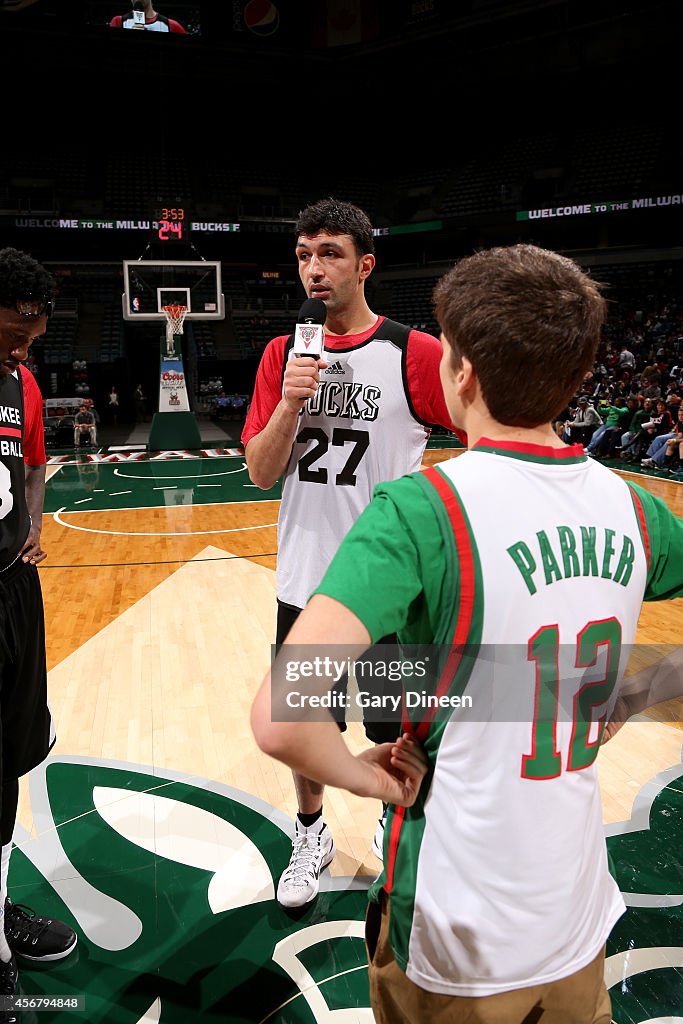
[(335, 368)]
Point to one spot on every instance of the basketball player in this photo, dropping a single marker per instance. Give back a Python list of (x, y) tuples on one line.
[(495, 900), (26, 732), (333, 428), (152, 22)]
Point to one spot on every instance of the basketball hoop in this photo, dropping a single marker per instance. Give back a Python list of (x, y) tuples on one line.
[(175, 318)]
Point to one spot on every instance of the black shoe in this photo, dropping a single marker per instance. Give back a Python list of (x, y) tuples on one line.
[(9, 982), (40, 939)]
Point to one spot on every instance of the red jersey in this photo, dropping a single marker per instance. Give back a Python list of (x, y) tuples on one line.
[(34, 435), (156, 24), (368, 421), (423, 356)]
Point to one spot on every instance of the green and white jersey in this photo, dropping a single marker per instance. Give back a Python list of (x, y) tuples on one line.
[(498, 875)]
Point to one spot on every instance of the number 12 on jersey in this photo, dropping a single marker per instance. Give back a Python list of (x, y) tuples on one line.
[(545, 760)]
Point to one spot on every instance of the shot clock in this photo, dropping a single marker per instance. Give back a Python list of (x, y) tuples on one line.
[(170, 224)]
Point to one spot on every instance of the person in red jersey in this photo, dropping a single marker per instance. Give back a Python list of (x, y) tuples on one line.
[(152, 21), (26, 728), (333, 428)]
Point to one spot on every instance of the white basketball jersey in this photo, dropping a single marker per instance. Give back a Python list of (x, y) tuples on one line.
[(358, 430), (510, 883), (514, 576)]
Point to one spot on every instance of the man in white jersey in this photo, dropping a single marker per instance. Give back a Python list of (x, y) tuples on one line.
[(333, 428), (495, 901)]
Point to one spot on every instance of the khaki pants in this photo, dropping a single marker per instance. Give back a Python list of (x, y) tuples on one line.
[(580, 998), (79, 428)]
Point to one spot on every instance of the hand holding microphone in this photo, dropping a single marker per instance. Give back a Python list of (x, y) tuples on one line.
[(302, 371)]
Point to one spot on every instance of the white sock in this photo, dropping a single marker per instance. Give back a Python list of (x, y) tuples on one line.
[(5, 951)]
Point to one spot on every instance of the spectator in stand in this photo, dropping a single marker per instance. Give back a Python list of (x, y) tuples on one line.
[(643, 411), (651, 390), (580, 429), (650, 377), (610, 444), (662, 363), (621, 388), (660, 422), (673, 397), (237, 406), (674, 459), (664, 446), (560, 423), (221, 405), (636, 342), (613, 420), (611, 359), (595, 378), (627, 360)]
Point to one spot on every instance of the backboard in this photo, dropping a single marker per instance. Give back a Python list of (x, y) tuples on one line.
[(149, 285)]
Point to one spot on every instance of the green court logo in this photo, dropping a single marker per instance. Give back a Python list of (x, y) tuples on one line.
[(170, 881)]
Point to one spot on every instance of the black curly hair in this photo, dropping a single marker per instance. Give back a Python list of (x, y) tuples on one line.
[(22, 277), (337, 217)]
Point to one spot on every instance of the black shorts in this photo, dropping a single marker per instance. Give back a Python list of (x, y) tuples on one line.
[(26, 732), (378, 730)]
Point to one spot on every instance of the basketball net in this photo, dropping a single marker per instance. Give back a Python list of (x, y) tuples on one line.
[(175, 318)]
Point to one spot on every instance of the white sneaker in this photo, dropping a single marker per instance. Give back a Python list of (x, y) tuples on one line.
[(312, 850), (378, 838)]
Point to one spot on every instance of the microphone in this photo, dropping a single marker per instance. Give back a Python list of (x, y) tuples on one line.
[(138, 15), (309, 337)]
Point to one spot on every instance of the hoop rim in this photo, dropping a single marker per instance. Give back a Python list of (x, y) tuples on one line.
[(175, 317)]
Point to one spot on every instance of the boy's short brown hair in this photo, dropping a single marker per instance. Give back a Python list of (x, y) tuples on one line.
[(529, 321)]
